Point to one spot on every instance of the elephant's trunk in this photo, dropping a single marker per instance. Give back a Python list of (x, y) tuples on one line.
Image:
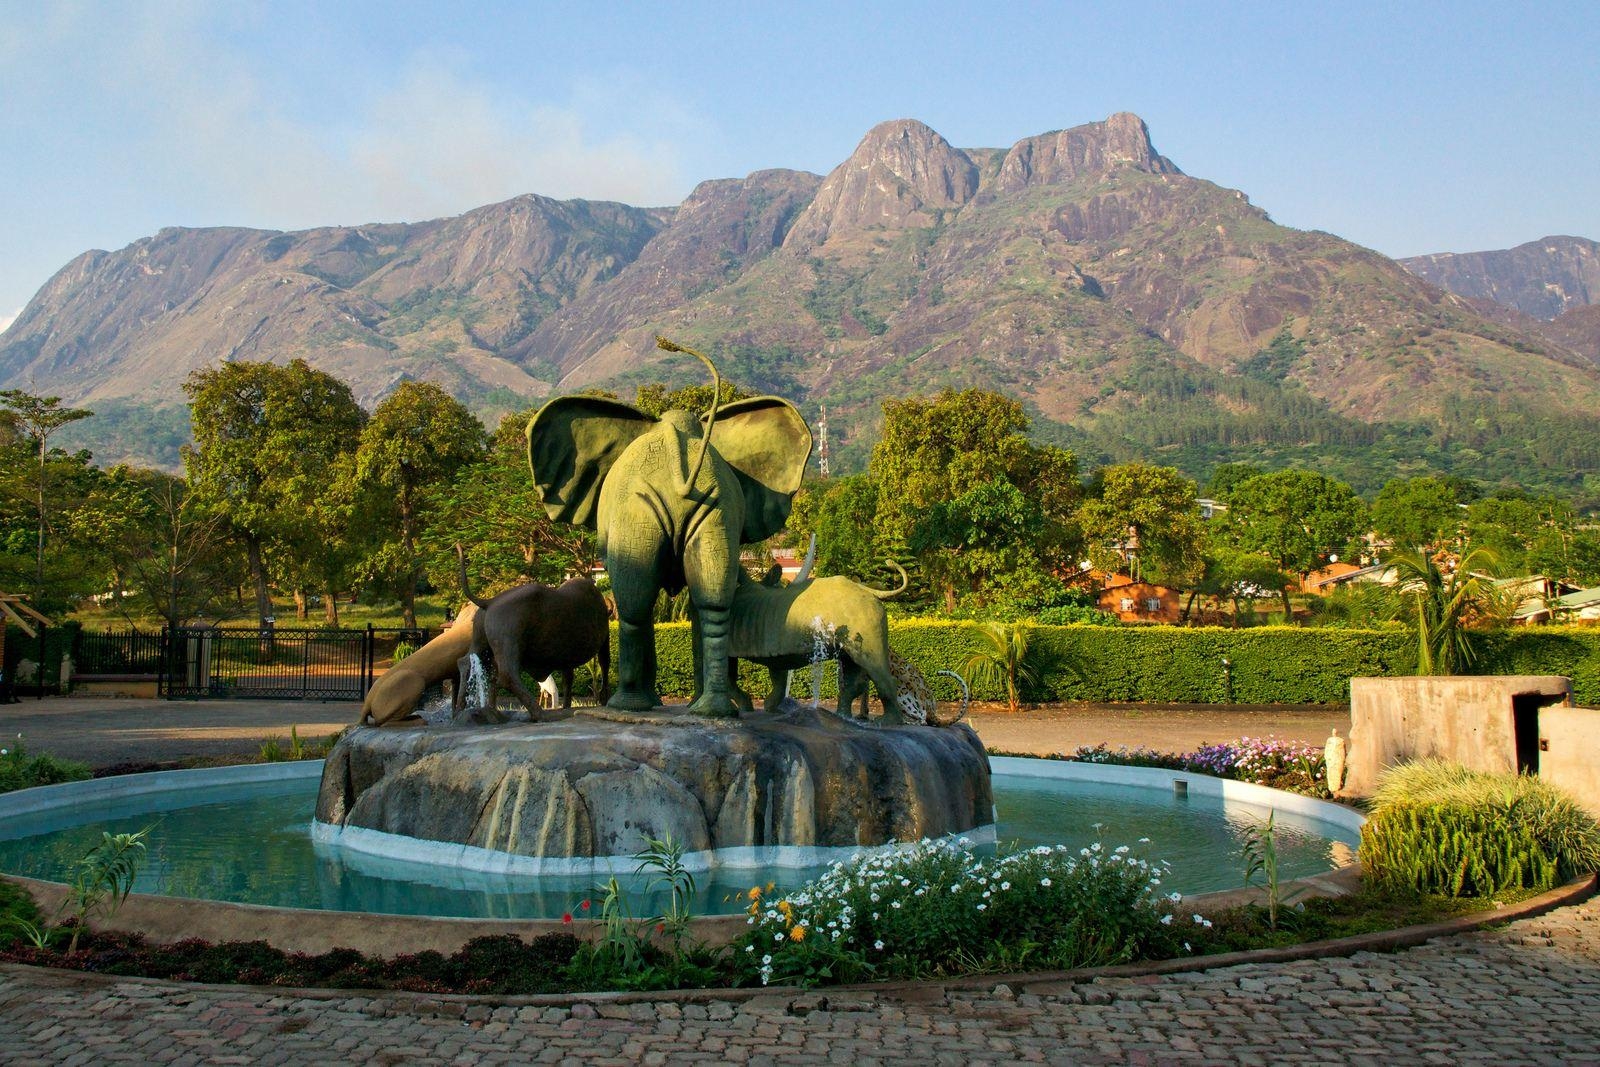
[(716, 398), (466, 588), (890, 594)]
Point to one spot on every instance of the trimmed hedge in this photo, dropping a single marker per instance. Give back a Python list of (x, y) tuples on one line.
[(1174, 664)]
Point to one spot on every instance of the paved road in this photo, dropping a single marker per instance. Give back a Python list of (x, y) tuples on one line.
[(108, 731), (1529, 994)]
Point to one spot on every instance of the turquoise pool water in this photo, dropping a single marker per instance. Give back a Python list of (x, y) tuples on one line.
[(252, 844)]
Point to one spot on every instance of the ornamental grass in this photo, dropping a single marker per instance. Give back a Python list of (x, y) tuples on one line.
[(1438, 827)]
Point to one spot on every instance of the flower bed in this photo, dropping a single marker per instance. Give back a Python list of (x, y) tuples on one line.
[(935, 908), (1287, 765)]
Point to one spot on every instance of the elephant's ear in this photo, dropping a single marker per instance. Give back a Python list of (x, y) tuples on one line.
[(572, 443), (766, 441)]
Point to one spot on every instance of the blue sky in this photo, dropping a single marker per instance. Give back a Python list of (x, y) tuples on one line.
[(1406, 127)]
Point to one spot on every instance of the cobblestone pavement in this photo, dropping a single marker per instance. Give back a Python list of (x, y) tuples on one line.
[(1529, 993)]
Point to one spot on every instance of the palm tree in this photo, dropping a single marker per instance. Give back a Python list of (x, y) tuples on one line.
[(1002, 660), (1446, 604)]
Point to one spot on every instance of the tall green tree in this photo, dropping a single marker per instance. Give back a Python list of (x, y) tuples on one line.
[(943, 460), (1144, 519), (35, 418), (418, 437), (493, 509), (267, 442), (1296, 518), (843, 514), (1418, 512), (179, 556)]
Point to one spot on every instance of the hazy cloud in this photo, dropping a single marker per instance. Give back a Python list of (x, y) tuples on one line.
[(7, 320)]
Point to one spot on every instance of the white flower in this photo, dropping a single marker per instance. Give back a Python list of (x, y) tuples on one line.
[(752, 948), (1174, 896), (983, 907), (1045, 882), (1144, 840), (1005, 885), (895, 904), (955, 889), (1166, 920), (878, 945), (777, 937)]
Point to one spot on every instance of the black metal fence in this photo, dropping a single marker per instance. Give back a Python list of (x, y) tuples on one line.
[(272, 662), (297, 664)]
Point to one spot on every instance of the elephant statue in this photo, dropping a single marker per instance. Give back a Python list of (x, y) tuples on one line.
[(393, 698), (671, 499), (537, 628), (778, 628)]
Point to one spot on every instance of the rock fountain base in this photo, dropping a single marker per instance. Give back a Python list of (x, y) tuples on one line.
[(756, 789)]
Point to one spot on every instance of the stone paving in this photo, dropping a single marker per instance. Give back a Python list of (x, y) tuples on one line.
[(1529, 993)]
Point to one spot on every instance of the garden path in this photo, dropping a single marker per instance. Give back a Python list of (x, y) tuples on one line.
[(1526, 994)]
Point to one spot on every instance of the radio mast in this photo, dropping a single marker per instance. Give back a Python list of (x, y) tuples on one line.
[(822, 443)]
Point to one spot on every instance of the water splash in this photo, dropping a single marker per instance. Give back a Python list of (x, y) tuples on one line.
[(822, 646), (477, 683)]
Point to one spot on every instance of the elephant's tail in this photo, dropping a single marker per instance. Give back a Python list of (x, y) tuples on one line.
[(716, 398), (466, 587), (890, 594)]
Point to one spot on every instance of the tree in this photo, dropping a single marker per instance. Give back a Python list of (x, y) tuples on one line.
[(1535, 535), (1296, 518), (493, 509), (963, 450), (35, 418), (419, 436), (267, 443), (181, 561), (1226, 476), (1003, 659), (843, 514), (1445, 603), (1417, 512), (1233, 574), (1145, 520)]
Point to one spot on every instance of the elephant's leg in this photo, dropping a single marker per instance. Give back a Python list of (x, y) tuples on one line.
[(740, 696), (873, 656), (636, 648), (716, 700), (566, 689), (780, 685), (852, 684)]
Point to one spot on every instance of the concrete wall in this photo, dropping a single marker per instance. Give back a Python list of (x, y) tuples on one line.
[(1569, 757), (1465, 719)]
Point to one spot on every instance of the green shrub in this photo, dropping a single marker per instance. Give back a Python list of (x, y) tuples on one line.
[(1178, 664), (18, 770), (1437, 827)]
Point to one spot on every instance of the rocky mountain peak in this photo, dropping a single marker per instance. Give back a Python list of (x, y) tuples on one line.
[(1121, 141), (899, 176), (1542, 278)]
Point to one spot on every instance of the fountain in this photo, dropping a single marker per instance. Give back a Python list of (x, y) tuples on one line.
[(672, 500)]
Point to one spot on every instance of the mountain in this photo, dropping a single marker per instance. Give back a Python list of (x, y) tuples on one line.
[(1542, 278), (1136, 311)]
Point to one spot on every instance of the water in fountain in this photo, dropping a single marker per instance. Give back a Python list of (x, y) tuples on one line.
[(822, 638), (477, 683)]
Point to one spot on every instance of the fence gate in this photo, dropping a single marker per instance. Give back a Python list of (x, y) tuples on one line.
[(274, 662)]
